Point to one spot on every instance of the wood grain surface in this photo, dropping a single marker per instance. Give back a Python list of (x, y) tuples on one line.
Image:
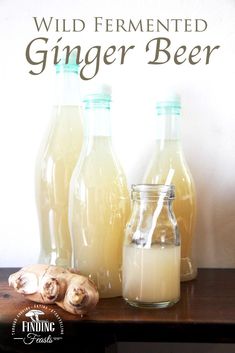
[(205, 313)]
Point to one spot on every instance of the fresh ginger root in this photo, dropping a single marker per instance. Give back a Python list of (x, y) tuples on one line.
[(50, 284)]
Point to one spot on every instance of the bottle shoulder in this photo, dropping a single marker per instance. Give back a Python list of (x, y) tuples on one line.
[(164, 159), (63, 137), (98, 152), (64, 120), (89, 169), (99, 169), (66, 111), (157, 173), (168, 154), (56, 151)]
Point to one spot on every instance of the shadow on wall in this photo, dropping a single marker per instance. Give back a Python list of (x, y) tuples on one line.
[(215, 241)]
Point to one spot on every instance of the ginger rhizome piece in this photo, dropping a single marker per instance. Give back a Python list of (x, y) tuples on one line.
[(50, 284)]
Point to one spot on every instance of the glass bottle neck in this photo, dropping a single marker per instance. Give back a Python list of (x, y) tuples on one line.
[(67, 89), (152, 192), (168, 127), (97, 122), (150, 206)]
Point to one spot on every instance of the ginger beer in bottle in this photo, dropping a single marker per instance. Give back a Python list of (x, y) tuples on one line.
[(99, 200), (168, 155), (56, 160)]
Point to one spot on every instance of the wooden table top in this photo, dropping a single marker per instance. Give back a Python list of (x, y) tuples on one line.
[(205, 313)]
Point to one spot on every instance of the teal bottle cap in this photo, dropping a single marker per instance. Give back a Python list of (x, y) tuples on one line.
[(99, 96), (168, 103), (68, 63)]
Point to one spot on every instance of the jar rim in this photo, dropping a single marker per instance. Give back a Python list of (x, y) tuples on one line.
[(153, 191)]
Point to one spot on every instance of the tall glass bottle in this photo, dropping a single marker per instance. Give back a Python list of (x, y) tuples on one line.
[(99, 200), (168, 157), (56, 160)]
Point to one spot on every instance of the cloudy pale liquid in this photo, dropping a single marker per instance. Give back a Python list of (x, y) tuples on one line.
[(99, 206), (151, 275), (184, 205), (55, 164)]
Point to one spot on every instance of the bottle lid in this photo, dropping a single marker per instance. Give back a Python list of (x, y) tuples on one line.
[(168, 102), (68, 63), (98, 94)]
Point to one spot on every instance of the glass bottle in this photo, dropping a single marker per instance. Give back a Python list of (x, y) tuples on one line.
[(99, 200), (56, 160), (151, 252), (168, 156)]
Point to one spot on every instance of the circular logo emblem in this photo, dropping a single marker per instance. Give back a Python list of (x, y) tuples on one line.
[(37, 324)]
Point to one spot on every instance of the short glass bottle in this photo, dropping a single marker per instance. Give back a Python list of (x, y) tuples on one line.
[(151, 252)]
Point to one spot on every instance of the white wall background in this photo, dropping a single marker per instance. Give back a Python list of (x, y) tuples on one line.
[(208, 105)]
